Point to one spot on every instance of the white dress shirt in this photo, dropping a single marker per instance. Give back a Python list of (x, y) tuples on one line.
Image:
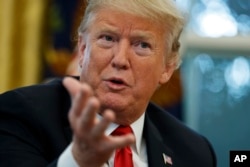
[(139, 152)]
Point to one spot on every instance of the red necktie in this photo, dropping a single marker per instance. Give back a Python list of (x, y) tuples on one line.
[(123, 156)]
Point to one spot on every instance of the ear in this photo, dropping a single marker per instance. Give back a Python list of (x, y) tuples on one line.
[(166, 74), (81, 45)]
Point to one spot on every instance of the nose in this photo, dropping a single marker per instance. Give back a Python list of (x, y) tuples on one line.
[(120, 58)]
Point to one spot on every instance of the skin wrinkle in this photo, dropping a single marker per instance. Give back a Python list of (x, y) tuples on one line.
[(151, 17), (125, 51), (123, 34), (171, 45)]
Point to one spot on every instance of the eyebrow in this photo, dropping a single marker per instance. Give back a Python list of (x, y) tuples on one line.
[(108, 28), (142, 34)]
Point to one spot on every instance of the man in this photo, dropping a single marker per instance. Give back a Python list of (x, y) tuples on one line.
[(127, 50)]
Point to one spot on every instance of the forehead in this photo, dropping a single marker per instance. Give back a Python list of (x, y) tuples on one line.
[(121, 22)]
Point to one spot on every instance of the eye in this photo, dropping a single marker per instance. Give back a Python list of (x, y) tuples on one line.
[(107, 38), (144, 45), (142, 48), (106, 41)]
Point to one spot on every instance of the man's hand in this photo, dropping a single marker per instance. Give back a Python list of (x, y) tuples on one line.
[(91, 147)]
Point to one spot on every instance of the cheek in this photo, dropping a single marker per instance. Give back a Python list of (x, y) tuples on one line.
[(94, 63), (148, 74), (146, 85), (94, 57)]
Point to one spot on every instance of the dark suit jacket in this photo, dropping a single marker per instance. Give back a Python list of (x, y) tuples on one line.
[(34, 130)]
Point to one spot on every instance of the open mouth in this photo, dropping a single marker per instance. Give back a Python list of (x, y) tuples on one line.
[(117, 81)]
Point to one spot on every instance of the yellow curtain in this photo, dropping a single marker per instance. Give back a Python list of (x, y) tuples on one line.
[(21, 23)]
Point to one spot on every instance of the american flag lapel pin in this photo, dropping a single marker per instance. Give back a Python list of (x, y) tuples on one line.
[(167, 159)]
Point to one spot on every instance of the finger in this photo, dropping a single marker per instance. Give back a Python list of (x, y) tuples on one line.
[(76, 108), (73, 86), (99, 130), (88, 115), (78, 102), (122, 141)]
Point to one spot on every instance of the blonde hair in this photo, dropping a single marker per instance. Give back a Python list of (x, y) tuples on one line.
[(163, 12)]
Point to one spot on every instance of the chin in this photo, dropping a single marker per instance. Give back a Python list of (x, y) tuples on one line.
[(119, 102), (115, 104)]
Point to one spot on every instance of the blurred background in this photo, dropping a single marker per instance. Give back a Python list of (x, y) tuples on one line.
[(210, 92)]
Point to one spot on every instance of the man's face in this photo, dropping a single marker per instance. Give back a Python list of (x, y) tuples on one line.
[(122, 59)]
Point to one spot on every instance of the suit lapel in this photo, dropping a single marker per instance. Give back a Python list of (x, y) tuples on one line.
[(158, 153)]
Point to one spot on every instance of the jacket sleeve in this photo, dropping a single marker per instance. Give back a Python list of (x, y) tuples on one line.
[(24, 141)]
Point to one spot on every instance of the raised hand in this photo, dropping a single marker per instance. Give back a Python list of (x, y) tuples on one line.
[(91, 147)]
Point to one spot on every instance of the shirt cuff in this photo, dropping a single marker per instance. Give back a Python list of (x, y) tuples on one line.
[(66, 159)]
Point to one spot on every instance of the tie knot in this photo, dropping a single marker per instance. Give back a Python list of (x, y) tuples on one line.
[(122, 130)]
